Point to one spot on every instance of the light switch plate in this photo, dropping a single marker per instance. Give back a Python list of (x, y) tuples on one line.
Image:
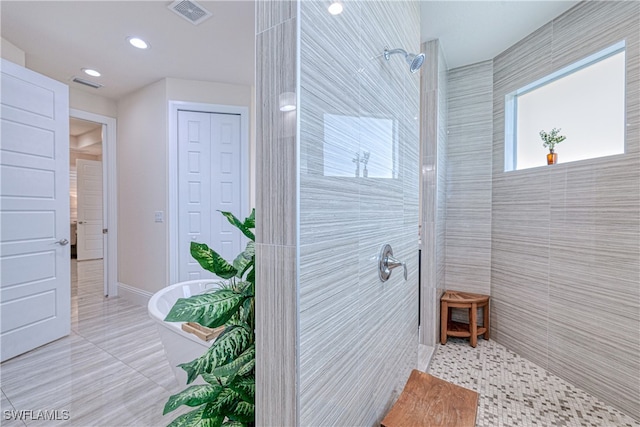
[(159, 216)]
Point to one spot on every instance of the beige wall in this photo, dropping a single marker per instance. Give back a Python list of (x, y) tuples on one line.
[(12, 53), (143, 141), (142, 188), (92, 103)]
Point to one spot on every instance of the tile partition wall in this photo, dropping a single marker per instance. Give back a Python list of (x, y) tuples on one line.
[(433, 139), (358, 336), (334, 344), (276, 216), (565, 277), (469, 157)]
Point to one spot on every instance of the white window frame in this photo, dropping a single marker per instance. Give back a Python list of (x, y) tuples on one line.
[(511, 99)]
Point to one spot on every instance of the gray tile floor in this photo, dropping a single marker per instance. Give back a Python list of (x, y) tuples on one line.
[(111, 370), (516, 392)]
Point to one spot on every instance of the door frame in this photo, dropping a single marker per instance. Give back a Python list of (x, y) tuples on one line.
[(172, 157), (109, 197)]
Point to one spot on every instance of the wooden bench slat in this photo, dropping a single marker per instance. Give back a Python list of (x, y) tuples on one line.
[(427, 401)]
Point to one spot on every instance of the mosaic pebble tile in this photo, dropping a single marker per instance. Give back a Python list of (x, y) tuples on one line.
[(516, 392)]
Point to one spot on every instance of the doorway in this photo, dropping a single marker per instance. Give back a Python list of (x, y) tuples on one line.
[(92, 157)]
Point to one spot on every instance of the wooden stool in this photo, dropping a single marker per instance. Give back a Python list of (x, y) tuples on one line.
[(456, 299), (427, 401)]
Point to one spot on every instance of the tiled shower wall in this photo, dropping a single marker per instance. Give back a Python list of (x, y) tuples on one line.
[(565, 273), (335, 345), (433, 139), (358, 336), (469, 157)]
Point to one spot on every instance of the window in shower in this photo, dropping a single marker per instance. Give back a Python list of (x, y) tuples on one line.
[(361, 147), (586, 100)]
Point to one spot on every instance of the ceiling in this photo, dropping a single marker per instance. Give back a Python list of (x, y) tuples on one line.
[(62, 37), (474, 31)]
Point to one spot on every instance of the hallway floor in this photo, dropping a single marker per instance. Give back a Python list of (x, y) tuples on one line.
[(111, 370), (516, 392)]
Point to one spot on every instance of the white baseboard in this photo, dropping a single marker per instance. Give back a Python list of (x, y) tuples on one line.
[(133, 294)]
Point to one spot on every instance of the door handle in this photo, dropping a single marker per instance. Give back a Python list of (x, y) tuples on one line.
[(80, 222), (63, 242), (386, 263)]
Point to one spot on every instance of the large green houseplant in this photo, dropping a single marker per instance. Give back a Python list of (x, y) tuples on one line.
[(228, 367)]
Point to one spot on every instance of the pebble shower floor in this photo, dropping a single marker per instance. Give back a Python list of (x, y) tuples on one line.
[(517, 393)]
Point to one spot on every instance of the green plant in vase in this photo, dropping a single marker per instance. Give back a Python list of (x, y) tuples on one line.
[(228, 367), (550, 140)]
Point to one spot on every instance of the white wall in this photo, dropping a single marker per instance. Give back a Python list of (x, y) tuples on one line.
[(12, 53), (143, 175)]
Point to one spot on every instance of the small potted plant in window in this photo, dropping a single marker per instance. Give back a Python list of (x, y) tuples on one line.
[(550, 140)]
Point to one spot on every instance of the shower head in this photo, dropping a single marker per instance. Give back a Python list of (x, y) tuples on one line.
[(414, 61)]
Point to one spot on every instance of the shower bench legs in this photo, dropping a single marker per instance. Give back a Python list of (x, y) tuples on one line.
[(472, 302)]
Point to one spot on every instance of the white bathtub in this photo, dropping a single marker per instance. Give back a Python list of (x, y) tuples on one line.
[(179, 346)]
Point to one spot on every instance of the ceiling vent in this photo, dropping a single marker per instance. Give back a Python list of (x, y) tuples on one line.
[(86, 82), (190, 10)]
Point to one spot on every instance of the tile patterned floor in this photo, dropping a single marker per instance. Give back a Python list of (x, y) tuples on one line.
[(111, 370), (516, 392)]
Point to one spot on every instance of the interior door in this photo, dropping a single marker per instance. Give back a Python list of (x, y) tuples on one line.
[(34, 211), (90, 224), (209, 180)]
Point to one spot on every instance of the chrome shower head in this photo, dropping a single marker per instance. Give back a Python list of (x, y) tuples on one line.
[(414, 61)]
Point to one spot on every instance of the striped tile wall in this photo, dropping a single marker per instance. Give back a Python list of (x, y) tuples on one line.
[(565, 273), (469, 157), (358, 336), (335, 345), (433, 188), (276, 216)]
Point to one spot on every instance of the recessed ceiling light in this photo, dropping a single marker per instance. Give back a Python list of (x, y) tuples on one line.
[(138, 42), (93, 73), (335, 8)]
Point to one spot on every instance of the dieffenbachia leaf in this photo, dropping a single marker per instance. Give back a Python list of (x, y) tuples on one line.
[(245, 259), (242, 226), (195, 395), (230, 344), (245, 387), (231, 369), (232, 423), (212, 309), (197, 418), (211, 261), (244, 412)]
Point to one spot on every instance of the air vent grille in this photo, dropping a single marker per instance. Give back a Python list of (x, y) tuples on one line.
[(86, 82), (190, 10)]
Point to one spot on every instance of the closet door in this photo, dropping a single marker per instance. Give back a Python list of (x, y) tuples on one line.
[(209, 180)]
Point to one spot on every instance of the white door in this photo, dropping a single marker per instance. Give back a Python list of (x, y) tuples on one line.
[(35, 292), (90, 238), (209, 180)]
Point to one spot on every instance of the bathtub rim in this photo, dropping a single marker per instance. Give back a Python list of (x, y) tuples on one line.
[(176, 327)]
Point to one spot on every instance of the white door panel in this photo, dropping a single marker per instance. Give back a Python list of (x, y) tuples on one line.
[(90, 238), (209, 179), (34, 211)]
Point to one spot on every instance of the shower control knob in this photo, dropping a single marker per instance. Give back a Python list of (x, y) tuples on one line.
[(386, 263)]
